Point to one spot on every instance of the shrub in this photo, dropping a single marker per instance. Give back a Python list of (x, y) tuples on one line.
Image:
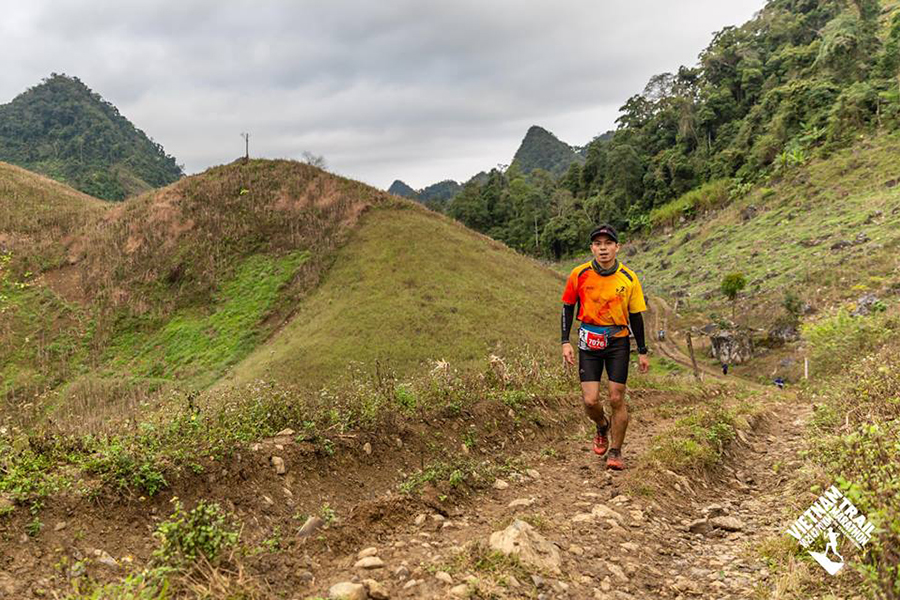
[(708, 196), (835, 339), (203, 531), (856, 439)]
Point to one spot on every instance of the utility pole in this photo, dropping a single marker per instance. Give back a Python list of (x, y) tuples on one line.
[(246, 137)]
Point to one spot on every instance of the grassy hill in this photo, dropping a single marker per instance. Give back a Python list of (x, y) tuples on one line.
[(827, 230), (63, 129), (412, 287), (224, 270), (37, 214)]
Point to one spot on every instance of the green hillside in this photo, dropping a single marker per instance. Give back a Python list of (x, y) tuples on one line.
[(166, 290), (62, 129), (828, 232), (411, 288)]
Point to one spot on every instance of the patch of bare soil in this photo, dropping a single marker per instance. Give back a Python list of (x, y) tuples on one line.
[(701, 542), (66, 282), (355, 478)]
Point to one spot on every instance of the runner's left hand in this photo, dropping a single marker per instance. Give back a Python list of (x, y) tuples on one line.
[(644, 363)]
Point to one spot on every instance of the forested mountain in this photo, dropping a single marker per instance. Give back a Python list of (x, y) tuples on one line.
[(64, 130), (539, 149), (542, 150), (400, 188), (440, 191), (802, 78), (435, 196)]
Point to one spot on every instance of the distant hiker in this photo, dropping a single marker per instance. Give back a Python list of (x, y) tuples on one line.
[(779, 383), (724, 368), (610, 302)]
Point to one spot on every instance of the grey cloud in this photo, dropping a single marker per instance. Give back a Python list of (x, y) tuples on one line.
[(415, 89)]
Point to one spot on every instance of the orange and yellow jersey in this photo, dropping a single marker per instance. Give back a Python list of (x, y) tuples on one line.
[(604, 299)]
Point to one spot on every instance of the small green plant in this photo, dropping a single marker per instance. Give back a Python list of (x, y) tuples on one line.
[(470, 439), (515, 399), (700, 439), (203, 531), (34, 526), (327, 513), (792, 304), (327, 446), (457, 476), (273, 542), (405, 398)]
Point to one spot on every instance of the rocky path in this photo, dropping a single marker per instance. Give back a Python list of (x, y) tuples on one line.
[(574, 533)]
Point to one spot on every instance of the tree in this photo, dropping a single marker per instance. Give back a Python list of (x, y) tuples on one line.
[(315, 160), (732, 285)]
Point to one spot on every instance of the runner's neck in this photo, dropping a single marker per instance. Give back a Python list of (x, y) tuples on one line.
[(609, 270)]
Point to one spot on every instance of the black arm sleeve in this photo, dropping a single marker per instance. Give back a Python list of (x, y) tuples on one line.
[(637, 327), (568, 316)]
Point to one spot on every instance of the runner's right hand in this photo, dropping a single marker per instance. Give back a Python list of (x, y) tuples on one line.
[(568, 354)]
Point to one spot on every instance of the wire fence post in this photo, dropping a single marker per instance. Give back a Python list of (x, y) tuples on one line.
[(690, 346)]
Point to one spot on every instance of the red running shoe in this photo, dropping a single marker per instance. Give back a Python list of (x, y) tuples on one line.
[(614, 460), (601, 442)]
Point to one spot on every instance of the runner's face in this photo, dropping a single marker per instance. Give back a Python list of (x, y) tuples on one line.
[(604, 250)]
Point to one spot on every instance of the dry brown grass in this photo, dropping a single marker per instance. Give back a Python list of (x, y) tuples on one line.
[(38, 216), (93, 273)]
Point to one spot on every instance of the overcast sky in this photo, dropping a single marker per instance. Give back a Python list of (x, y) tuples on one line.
[(416, 90)]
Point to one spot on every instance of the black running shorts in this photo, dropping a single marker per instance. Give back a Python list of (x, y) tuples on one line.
[(614, 357)]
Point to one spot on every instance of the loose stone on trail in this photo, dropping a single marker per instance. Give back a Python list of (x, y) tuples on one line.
[(279, 465), (311, 525), (523, 540), (521, 502), (444, 577), (369, 562), (376, 590), (727, 523), (347, 590)]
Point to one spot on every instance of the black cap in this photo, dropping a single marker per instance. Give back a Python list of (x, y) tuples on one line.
[(605, 230)]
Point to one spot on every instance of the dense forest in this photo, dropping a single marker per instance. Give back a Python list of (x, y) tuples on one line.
[(802, 78), (66, 131)]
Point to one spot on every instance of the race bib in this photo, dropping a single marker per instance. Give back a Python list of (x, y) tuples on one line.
[(590, 340)]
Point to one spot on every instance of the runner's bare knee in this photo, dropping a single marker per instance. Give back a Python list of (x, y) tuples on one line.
[(616, 396)]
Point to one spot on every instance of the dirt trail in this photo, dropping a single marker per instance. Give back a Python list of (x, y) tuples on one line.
[(671, 350), (612, 545)]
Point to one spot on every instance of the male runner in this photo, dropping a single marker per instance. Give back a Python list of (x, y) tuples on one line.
[(610, 302)]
